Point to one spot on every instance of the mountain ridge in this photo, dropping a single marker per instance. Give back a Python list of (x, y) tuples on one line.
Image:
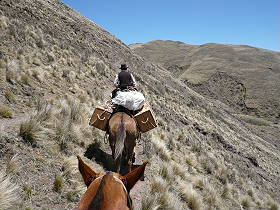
[(256, 68)]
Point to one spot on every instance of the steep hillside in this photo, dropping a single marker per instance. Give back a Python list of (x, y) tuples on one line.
[(56, 66), (257, 70)]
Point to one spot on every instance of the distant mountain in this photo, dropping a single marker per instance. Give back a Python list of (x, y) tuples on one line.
[(56, 66), (248, 73)]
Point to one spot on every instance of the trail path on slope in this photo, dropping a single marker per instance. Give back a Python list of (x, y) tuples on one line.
[(142, 187)]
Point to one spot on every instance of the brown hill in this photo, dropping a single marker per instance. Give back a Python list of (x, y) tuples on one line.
[(256, 70), (56, 66)]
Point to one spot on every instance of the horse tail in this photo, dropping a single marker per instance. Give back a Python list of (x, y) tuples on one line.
[(120, 137)]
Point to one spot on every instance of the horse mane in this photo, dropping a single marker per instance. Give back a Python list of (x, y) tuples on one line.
[(99, 196), (120, 137)]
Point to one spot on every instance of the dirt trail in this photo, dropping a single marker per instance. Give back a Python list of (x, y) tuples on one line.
[(142, 187)]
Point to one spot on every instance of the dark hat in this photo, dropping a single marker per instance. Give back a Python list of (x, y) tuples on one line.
[(123, 67)]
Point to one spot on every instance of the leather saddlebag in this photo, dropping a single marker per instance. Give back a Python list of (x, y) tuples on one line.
[(145, 119), (100, 118)]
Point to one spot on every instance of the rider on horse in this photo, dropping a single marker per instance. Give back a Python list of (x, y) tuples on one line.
[(124, 118), (124, 80)]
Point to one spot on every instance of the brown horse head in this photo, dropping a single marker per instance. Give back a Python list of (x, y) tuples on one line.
[(123, 133), (108, 191)]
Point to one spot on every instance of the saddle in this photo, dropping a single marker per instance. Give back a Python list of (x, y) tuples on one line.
[(124, 89), (119, 108)]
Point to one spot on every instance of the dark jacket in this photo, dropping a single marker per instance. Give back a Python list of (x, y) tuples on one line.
[(124, 79)]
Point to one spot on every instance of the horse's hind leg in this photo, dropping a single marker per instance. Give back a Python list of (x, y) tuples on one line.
[(129, 165), (117, 164), (127, 159), (131, 160), (130, 157), (133, 157)]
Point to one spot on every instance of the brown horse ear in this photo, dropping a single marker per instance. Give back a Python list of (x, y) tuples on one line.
[(87, 173), (132, 177)]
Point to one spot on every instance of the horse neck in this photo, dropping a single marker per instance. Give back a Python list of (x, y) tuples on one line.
[(111, 194)]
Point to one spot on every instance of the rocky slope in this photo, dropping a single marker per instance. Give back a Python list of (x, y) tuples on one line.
[(256, 70), (56, 66)]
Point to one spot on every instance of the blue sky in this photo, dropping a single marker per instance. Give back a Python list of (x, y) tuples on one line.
[(251, 22)]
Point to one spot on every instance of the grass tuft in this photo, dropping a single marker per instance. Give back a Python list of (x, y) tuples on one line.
[(8, 191), (166, 171), (26, 80), (73, 196), (31, 131), (190, 196), (12, 165), (161, 148), (36, 128), (58, 184), (199, 182), (208, 164), (211, 197), (3, 22), (169, 200), (227, 190), (272, 205), (158, 185), (10, 96), (251, 192), (28, 191), (222, 174), (190, 159), (246, 203), (179, 170), (149, 203), (5, 112)]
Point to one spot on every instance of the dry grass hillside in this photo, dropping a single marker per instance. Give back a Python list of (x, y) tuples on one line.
[(251, 73), (56, 66)]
